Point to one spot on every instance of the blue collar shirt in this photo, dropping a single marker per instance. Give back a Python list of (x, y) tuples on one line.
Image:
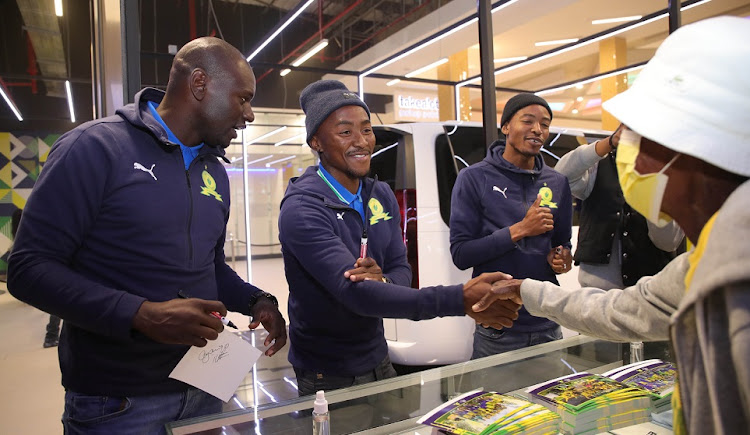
[(188, 153), (353, 200)]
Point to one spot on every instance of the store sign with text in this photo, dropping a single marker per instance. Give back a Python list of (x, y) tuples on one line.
[(416, 107)]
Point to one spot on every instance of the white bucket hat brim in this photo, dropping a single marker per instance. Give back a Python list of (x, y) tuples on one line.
[(694, 95)]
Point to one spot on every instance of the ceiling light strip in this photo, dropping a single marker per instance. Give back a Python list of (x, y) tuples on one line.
[(70, 101), (569, 85), (289, 139), (270, 133), (308, 54), (617, 20), (311, 52), (698, 3), (434, 38), (259, 160), (427, 67), (422, 44), (556, 42), (586, 41), (294, 14), (268, 165), (511, 59), (10, 103)]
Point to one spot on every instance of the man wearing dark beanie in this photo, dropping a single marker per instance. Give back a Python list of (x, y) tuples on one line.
[(513, 213), (344, 256)]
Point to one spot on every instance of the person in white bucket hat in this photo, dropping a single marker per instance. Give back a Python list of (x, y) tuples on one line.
[(685, 155)]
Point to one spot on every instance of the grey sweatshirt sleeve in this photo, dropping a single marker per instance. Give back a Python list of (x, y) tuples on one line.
[(580, 166), (637, 313), (667, 238)]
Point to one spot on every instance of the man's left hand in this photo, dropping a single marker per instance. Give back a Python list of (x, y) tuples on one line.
[(267, 313), (560, 259), (364, 269)]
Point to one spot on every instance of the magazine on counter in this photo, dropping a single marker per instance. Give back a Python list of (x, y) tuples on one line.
[(655, 376), (485, 412), (589, 402)]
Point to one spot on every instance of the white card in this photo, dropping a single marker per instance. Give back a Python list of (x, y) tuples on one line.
[(219, 367)]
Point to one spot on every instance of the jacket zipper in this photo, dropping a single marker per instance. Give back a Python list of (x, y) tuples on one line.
[(363, 240), (190, 218)]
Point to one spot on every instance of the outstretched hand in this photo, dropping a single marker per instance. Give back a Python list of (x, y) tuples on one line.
[(267, 313), (499, 315), (364, 269), (180, 321), (504, 290)]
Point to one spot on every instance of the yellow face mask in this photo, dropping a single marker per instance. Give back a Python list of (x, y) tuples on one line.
[(643, 192)]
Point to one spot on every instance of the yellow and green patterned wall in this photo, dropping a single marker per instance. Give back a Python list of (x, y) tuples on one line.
[(21, 159)]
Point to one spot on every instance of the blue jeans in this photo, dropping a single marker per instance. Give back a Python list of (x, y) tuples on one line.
[(308, 382), (491, 341), (135, 414)]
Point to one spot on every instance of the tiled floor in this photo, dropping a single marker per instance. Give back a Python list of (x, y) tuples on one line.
[(32, 397)]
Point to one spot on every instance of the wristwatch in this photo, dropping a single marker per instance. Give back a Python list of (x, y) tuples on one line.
[(261, 294), (386, 280)]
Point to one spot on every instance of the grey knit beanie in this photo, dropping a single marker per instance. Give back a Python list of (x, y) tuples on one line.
[(321, 98), (520, 101)]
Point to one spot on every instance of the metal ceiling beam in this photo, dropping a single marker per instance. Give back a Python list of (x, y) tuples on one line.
[(487, 65), (43, 28)]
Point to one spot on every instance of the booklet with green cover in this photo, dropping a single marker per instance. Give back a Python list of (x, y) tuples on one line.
[(482, 413)]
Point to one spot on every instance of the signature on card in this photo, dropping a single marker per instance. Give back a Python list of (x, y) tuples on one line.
[(214, 354)]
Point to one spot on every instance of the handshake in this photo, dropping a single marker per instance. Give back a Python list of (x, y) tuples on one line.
[(493, 299)]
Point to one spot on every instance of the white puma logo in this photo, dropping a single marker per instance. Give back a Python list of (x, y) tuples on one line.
[(340, 216), (497, 189), (137, 165)]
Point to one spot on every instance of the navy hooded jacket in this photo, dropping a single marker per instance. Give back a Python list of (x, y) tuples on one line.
[(487, 199), (115, 220), (336, 326)]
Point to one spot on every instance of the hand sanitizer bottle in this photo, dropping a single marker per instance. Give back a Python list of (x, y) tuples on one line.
[(321, 419)]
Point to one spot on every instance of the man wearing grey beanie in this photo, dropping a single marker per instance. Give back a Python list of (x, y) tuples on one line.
[(344, 256), (511, 212)]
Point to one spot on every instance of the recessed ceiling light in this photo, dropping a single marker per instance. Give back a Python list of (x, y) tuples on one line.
[(579, 99), (575, 111)]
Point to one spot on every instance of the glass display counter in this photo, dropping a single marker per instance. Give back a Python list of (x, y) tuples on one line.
[(267, 402)]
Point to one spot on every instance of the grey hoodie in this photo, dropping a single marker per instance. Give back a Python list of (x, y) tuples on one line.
[(709, 324)]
